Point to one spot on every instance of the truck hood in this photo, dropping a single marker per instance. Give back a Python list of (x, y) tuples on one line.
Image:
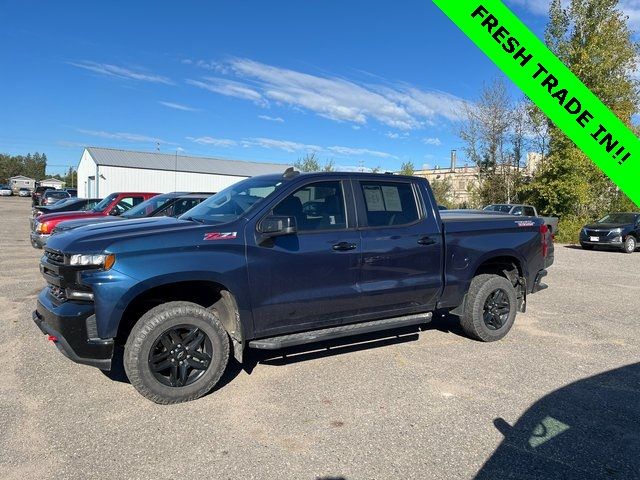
[(72, 215), (98, 237), (81, 222)]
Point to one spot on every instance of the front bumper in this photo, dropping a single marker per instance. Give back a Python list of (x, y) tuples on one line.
[(615, 240), (73, 326), (38, 240)]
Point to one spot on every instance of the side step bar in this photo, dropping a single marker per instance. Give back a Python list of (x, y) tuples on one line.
[(282, 341)]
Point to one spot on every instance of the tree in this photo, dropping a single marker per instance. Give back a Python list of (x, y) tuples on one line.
[(494, 132), (407, 168), (31, 165), (593, 39), (442, 191), (311, 163)]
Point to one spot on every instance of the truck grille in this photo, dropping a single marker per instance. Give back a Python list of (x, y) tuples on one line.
[(597, 233), (54, 257)]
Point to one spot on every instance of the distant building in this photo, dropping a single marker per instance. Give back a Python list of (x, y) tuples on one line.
[(16, 183), (52, 182), (464, 179), (102, 171)]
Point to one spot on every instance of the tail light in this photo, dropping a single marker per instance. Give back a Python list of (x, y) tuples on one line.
[(543, 240)]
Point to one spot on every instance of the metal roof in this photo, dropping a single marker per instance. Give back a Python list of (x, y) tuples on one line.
[(170, 161)]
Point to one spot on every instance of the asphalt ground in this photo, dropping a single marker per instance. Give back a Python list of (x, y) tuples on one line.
[(549, 401)]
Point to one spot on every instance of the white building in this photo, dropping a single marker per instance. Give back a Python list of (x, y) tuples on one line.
[(52, 182), (104, 170), (21, 181)]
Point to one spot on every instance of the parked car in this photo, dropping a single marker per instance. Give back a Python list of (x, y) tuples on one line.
[(5, 191), (617, 230), (24, 192), (70, 204), (165, 205), (248, 268), (524, 210), (72, 192), (52, 196), (37, 194), (115, 204)]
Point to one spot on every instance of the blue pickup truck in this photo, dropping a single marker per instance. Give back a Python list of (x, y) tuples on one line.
[(281, 260)]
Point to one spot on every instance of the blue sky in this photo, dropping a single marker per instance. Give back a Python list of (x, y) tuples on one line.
[(359, 82)]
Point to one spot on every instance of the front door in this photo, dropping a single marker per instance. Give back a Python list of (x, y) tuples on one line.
[(401, 248), (309, 279)]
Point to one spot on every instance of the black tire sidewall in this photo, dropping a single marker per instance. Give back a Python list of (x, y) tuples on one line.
[(475, 307), (147, 331), (630, 240)]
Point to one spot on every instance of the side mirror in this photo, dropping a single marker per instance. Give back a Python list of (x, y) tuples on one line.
[(114, 211), (277, 226)]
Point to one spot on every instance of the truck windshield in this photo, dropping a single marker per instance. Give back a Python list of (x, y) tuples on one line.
[(234, 201), (618, 218), (100, 207)]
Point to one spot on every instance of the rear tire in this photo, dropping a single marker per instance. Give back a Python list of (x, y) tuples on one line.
[(176, 352), (630, 244), (490, 308)]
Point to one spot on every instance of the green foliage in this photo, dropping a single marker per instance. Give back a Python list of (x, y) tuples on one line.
[(593, 39), (31, 165), (569, 229), (407, 168), (311, 163), (443, 191)]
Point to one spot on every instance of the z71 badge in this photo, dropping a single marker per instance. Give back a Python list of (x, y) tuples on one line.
[(220, 235)]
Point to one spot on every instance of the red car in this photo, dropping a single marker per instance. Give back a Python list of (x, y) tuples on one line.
[(114, 204)]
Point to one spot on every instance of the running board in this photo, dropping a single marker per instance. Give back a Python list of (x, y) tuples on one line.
[(282, 341)]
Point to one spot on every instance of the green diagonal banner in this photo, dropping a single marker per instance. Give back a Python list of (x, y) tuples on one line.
[(527, 61)]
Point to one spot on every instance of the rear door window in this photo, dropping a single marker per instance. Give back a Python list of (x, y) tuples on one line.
[(389, 204)]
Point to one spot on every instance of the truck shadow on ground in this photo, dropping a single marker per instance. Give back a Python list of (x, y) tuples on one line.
[(252, 358), (589, 429)]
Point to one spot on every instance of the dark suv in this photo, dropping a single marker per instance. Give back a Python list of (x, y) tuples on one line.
[(37, 193), (617, 230)]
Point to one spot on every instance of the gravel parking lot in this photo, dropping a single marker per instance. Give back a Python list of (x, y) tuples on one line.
[(428, 404)]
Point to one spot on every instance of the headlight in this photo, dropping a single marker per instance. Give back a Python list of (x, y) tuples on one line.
[(99, 260), (616, 231)]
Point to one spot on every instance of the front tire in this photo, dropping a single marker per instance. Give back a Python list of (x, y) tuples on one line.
[(630, 244), (176, 352), (490, 308)]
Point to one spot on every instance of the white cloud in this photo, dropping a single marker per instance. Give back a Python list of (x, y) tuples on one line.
[(393, 135), (121, 72), (217, 142), (401, 106), (350, 151), (229, 88), (432, 141), (178, 106), (286, 145), (271, 119), (123, 136)]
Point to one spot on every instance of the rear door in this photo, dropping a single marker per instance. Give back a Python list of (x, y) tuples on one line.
[(401, 241)]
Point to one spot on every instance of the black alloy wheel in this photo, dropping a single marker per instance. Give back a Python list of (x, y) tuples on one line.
[(180, 355), (496, 309)]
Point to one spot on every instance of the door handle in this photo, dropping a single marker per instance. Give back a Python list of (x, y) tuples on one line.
[(426, 240), (344, 246)]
